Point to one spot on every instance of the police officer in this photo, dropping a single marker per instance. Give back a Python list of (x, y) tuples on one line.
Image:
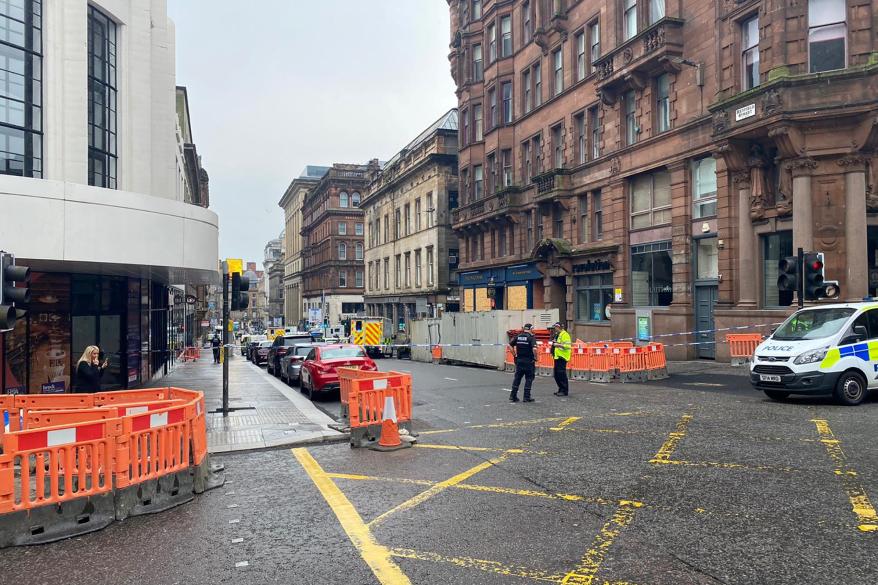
[(561, 352), (523, 346)]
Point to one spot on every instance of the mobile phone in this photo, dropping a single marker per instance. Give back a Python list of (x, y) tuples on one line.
[(101, 356)]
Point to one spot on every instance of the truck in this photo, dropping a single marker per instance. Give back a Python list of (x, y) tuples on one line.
[(369, 332)]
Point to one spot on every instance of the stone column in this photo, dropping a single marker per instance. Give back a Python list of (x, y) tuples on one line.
[(681, 235), (803, 220), (746, 253), (856, 285)]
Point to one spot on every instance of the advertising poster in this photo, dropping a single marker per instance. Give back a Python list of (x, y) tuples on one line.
[(50, 330)]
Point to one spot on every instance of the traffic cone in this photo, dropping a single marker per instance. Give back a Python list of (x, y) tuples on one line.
[(389, 440)]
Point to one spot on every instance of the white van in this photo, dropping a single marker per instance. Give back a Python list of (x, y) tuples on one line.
[(827, 349)]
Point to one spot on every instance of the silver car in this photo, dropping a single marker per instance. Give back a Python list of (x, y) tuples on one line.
[(291, 363)]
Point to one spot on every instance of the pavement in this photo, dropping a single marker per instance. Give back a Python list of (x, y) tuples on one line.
[(266, 413), (697, 480)]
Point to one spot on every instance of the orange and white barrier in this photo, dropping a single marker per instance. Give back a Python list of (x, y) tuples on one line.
[(82, 461), (365, 395), (742, 346)]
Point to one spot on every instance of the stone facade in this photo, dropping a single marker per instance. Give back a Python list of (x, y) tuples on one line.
[(408, 228), (651, 193), (291, 203), (273, 265), (333, 270)]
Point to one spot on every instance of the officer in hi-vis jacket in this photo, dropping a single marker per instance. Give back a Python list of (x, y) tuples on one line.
[(523, 346)]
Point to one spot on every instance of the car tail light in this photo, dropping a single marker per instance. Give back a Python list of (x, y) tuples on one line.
[(369, 365), (281, 351), (324, 369)]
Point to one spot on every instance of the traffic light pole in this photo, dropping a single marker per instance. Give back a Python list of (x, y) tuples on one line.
[(800, 281), (225, 340)]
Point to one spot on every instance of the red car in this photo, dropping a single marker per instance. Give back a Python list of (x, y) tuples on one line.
[(318, 372)]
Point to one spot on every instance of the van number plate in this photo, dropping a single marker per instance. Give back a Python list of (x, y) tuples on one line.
[(768, 378)]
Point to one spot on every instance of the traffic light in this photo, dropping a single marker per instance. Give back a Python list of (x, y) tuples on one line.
[(788, 280), (14, 292), (240, 286), (816, 287)]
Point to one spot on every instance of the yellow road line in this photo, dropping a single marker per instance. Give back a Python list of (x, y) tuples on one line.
[(480, 564), (376, 556), (586, 571), (670, 445), (565, 423), (723, 465), (511, 424), (855, 491), (481, 488), (464, 448), (437, 489)]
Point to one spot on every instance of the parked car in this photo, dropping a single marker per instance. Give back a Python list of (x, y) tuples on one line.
[(260, 353), (250, 350), (318, 372), (247, 340), (291, 363), (279, 348)]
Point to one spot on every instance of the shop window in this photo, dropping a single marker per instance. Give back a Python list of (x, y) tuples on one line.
[(704, 187), (651, 200), (652, 281), (593, 294), (774, 247)]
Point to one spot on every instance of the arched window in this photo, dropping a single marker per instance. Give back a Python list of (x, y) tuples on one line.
[(343, 199), (358, 250), (342, 251), (355, 199)]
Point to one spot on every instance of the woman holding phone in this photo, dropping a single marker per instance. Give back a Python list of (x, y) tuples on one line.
[(89, 370)]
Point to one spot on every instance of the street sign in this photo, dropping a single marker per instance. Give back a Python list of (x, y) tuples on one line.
[(191, 299), (235, 265)]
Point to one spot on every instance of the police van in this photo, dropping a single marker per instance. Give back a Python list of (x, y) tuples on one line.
[(829, 349)]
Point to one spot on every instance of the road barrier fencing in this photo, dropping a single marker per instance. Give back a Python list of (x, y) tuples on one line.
[(363, 396), (71, 464), (742, 346)]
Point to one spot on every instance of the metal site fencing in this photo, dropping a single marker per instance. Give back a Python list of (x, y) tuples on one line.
[(74, 463)]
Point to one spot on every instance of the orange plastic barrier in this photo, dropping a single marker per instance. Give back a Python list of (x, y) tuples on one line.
[(191, 354), (545, 361), (601, 364), (509, 360), (579, 364), (367, 406), (436, 353), (743, 345)]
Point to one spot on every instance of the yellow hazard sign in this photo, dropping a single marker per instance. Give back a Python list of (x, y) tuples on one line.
[(367, 332), (235, 265)]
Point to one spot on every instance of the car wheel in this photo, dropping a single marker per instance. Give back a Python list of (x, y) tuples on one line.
[(777, 394), (310, 390), (296, 381), (850, 389)]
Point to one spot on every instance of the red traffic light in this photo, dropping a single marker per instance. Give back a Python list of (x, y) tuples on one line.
[(816, 265)]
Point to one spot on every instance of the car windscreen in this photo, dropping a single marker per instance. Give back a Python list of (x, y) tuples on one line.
[(265, 344), (813, 324), (341, 352), (289, 341), (303, 350)]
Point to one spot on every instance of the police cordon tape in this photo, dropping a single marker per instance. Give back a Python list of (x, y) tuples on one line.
[(652, 337)]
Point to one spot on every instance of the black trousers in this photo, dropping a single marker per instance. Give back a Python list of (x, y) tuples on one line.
[(526, 370), (216, 351), (560, 373)]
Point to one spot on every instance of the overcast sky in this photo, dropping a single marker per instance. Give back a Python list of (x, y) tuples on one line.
[(275, 85)]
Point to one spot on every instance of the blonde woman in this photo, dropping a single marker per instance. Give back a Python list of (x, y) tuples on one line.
[(89, 370)]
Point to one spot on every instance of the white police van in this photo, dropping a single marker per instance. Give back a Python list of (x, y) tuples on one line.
[(828, 349)]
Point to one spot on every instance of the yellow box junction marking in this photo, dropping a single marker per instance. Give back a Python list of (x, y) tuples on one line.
[(437, 489), (480, 564), (565, 423), (376, 556), (586, 571), (477, 449), (862, 507), (512, 424), (480, 488), (670, 445)]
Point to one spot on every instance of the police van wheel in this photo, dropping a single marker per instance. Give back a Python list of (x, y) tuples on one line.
[(777, 394), (850, 389)]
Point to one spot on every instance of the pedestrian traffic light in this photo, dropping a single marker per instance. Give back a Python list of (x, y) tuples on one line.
[(240, 286), (14, 291), (788, 278), (816, 287)]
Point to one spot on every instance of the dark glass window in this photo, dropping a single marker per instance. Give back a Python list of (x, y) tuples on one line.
[(593, 294), (102, 93), (21, 91), (652, 278), (827, 35)]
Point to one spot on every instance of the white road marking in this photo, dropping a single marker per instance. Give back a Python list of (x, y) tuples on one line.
[(234, 520), (710, 384), (506, 389), (452, 379), (237, 540), (240, 564), (232, 506)]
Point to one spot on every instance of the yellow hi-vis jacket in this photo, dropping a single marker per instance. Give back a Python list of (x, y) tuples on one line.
[(561, 349)]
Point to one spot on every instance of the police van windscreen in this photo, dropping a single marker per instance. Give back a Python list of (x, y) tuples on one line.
[(813, 324)]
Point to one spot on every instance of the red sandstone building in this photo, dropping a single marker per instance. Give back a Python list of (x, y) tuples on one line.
[(333, 273), (643, 165)]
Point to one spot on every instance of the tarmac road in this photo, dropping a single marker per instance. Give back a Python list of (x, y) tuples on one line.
[(693, 480)]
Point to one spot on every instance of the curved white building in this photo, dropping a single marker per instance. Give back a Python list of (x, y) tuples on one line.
[(96, 172)]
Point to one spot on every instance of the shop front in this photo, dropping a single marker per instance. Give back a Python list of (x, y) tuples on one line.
[(594, 294), (511, 288), (132, 321)]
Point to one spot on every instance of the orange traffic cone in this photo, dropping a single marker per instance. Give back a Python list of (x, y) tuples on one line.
[(389, 440)]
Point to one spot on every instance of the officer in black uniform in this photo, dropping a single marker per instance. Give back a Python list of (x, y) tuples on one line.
[(523, 346)]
